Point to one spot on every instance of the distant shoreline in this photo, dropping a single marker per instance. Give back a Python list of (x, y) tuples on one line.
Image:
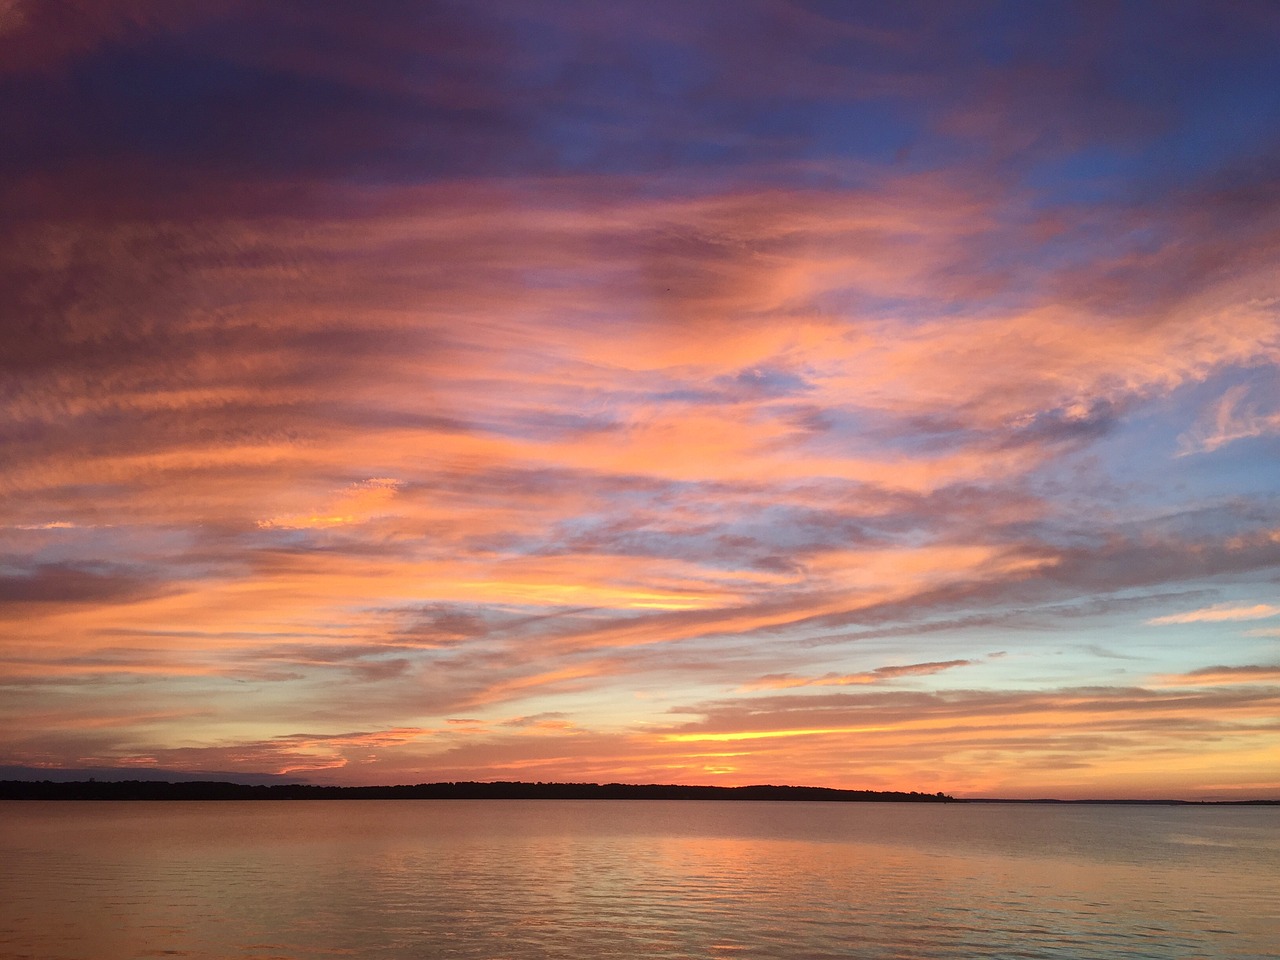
[(513, 790), (468, 790), (1128, 803)]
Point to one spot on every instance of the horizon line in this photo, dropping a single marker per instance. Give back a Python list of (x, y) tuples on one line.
[(340, 791)]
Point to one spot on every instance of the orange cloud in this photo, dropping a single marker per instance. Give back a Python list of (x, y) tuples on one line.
[(360, 501), (1223, 612), (878, 675), (1213, 676)]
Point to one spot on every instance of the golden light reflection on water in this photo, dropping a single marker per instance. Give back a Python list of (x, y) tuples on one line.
[(402, 879)]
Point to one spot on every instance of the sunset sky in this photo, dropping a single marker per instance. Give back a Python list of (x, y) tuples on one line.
[(870, 395)]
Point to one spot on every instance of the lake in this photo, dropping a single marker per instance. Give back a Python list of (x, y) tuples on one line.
[(636, 879)]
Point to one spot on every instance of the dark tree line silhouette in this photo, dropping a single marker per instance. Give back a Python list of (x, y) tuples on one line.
[(465, 790)]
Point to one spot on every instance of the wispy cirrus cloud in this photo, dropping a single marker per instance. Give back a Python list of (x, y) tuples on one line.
[(1213, 676), (1219, 613), (1234, 417), (783, 681)]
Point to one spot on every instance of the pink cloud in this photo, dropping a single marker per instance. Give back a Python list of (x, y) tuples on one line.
[(1220, 613), (1232, 418), (1214, 676), (878, 675)]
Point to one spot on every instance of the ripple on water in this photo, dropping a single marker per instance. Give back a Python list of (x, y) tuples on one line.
[(624, 880)]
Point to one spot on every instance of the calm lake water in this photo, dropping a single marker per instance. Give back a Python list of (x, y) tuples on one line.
[(636, 879)]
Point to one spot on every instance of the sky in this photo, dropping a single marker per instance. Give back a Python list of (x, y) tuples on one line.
[(867, 395)]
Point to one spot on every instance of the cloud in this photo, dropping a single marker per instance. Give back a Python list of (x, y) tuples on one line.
[(36, 35), (1117, 732), (1232, 418), (359, 502), (292, 754), (878, 675), (64, 583), (1213, 676), (1219, 613)]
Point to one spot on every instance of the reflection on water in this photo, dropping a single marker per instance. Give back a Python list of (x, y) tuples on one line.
[(605, 879)]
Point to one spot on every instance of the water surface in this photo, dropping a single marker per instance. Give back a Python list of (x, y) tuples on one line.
[(635, 879)]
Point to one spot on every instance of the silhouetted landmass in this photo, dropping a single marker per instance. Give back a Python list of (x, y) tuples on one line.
[(504, 790), (509, 790)]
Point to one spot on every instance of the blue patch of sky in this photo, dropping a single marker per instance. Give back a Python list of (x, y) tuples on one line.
[(189, 100), (1181, 648), (645, 105), (1096, 174), (873, 131), (622, 107), (1245, 469), (690, 395), (1219, 108), (999, 31), (1208, 115), (1154, 434), (764, 381)]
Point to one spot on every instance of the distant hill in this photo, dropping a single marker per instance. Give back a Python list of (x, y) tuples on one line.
[(505, 790)]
